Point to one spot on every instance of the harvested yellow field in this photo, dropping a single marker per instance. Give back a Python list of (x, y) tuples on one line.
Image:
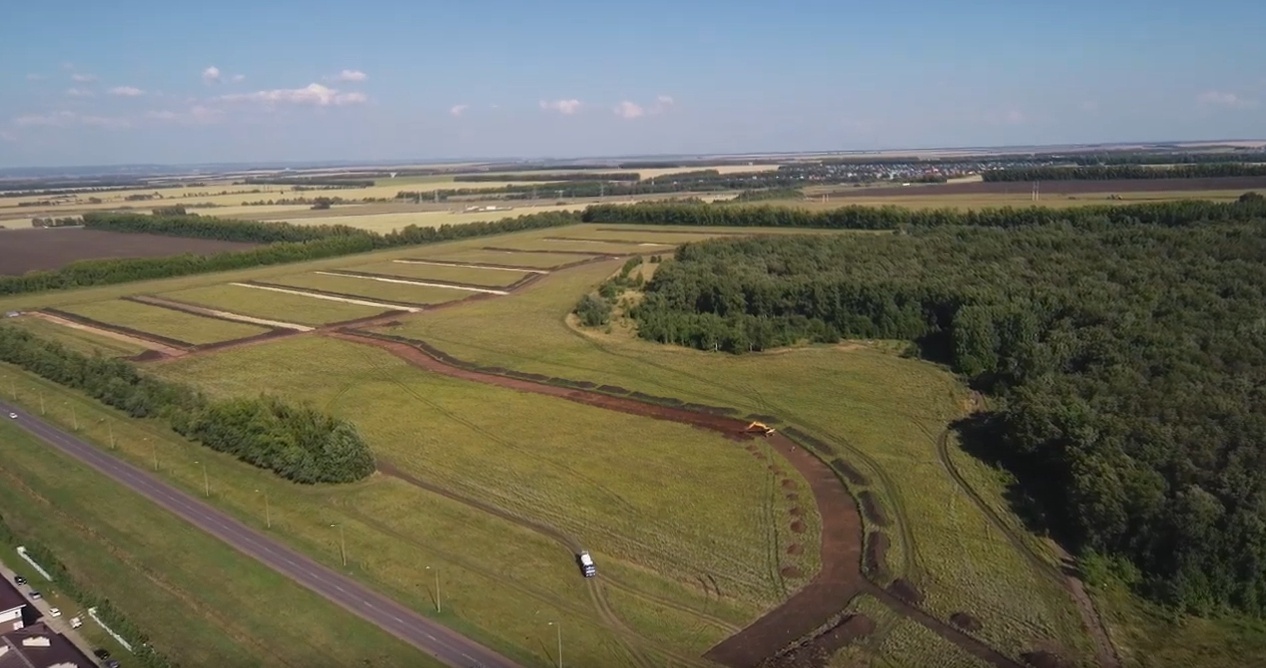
[(386, 222)]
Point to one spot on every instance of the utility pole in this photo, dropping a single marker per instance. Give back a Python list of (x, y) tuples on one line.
[(74, 416), (206, 480), (559, 628), (268, 518), (154, 448), (439, 607), (113, 445), (41, 403)]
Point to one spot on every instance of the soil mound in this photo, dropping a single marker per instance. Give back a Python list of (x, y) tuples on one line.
[(965, 622), (904, 590)]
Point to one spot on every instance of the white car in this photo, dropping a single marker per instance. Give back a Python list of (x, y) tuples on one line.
[(54, 612), (13, 416)]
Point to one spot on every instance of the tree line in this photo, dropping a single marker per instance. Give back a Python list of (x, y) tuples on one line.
[(142, 651), (316, 242), (1124, 171), (298, 443), (1127, 361), (859, 217), (1167, 158), (550, 178)]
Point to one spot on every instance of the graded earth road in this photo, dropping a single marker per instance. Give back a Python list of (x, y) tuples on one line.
[(428, 636)]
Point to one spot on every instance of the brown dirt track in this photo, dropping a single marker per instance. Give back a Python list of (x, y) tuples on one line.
[(822, 598), (35, 249), (1062, 187)]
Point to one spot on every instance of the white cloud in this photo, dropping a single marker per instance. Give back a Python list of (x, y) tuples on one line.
[(195, 115), (458, 109), (349, 75), (1007, 117), (35, 77), (629, 110), (67, 118), (237, 78), (564, 107), (314, 94), (1215, 98), (78, 92), (82, 78), (126, 91), (1089, 106), (211, 75), (5, 135)]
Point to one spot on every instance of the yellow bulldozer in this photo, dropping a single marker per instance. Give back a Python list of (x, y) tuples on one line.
[(759, 428)]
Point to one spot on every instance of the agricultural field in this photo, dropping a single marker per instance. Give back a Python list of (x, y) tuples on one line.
[(35, 249), (270, 304), (507, 258), (184, 327), (204, 608), (355, 286), (554, 243), (883, 413), (489, 278), (386, 222)]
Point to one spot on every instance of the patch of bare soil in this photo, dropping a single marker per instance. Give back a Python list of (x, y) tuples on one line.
[(966, 622)]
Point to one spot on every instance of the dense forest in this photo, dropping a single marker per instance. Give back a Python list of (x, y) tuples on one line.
[(1124, 171), (286, 243), (298, 443), (1127, 360), (858, 217)]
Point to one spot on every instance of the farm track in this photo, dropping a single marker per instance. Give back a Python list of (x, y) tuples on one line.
[(839, 578), (101, 330), (1105, 651), (217, 314)]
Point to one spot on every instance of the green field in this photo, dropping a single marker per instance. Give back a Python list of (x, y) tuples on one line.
[(508, 258), (882, 413), (164, 322), (201, 602), (79, 340), (372, 289), (274, 305), (492, 278)]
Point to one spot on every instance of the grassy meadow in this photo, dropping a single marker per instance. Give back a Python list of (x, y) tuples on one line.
[(88, 343), (373, 289), (489, 278)]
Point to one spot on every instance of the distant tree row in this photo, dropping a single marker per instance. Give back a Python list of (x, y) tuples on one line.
[(1128, 360), (769, 194), (329, 182), (1125, 171), (859, 217), (1168, 158), (583, 176), (314, 243), (142, 652), (298, 443)]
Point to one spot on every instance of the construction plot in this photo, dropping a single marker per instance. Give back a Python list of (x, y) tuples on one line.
[(487, 278), (508, 258), (273, 304), (166, 323), (352, 286)]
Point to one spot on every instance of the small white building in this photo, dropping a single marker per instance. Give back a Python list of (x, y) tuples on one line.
[(12, 603)]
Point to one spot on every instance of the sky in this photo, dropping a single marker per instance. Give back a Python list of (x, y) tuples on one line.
[(139, 81)]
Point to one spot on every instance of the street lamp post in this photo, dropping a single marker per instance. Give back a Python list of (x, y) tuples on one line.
[(153, 445), (438, 605), (268, 517), (74, 416), (206, 480), (559, 628), (342, 543), (42, 403)]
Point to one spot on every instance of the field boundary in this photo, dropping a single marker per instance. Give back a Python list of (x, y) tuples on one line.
[(149, 345), (499, 249), (810, 610), (182, 346), (690, 232), (474, 265)]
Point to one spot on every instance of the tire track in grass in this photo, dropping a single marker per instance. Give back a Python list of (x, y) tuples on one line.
[(1105, 651)]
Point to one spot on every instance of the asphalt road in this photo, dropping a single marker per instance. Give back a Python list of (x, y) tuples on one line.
[(440, 642)]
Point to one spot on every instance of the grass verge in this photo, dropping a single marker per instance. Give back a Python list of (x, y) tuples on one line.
[(165, 322)]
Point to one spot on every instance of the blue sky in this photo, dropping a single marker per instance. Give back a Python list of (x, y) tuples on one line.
[(132, 81)]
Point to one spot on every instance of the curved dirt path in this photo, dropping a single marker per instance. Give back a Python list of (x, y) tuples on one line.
[(1105, 652), (839, 578)]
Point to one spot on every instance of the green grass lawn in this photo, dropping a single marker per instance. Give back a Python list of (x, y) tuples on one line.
[(201, 602), (274, 305), (597, 247), (371, 289), (492, 278), (881, 412), (553, 460), (78, 340), (165, 322)]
